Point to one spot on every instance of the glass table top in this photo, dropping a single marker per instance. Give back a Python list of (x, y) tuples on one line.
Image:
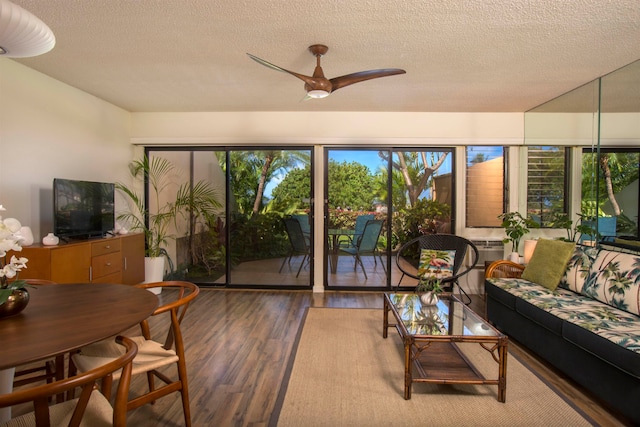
[(449, 316)]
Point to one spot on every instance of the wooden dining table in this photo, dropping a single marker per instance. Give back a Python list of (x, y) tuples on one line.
[(62, 318)]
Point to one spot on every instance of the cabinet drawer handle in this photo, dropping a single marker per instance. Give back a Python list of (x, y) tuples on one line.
[(108, 247), (108, 264)]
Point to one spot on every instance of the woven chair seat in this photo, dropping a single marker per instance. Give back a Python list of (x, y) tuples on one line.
[(151, 355)]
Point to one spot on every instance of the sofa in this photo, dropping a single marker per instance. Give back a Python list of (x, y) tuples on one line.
[(588, 326)]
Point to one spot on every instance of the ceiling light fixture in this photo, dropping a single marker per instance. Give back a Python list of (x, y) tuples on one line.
[(318, 94), (22, 34)]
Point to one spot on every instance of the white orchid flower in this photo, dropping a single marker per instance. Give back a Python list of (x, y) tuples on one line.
[(12, 224), (10, 240)]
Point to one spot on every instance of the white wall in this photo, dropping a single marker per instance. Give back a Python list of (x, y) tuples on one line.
[(412, 129), (47, 130)]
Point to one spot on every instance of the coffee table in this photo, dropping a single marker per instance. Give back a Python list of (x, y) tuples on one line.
[(430, 334)]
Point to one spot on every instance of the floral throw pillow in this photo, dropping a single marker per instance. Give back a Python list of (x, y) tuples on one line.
[(437, 264)]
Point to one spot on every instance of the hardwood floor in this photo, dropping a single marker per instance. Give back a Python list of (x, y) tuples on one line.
[(238, 347)]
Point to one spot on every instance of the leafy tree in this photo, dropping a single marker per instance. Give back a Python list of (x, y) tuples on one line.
[(294, 189), (244, 175), (351, 186), (398, 191), (251, 171), (274, 162), (478, 158), (617, 170)]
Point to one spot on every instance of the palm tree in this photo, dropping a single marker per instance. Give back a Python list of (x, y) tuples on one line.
[(274, 162)]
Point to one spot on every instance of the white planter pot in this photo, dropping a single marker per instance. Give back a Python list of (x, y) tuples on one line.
[(514, 257), (429, 298), (154, 272)]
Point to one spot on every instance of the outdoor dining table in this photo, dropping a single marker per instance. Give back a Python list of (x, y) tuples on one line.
[(334, 245), (62, 318)]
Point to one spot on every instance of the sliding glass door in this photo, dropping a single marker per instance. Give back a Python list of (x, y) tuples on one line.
[(270, 238), (409, 192), (245, 241)]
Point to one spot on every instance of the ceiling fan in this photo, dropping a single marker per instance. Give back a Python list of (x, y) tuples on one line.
[(317, 85)]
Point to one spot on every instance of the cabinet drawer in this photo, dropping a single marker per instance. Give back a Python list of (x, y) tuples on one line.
[(111, 278), (104, 265), (105, 246)]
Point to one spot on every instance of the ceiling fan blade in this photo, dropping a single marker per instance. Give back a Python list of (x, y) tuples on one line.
[(307, 79), (349, 79)]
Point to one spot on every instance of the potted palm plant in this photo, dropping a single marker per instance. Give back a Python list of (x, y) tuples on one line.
[(159, 220)]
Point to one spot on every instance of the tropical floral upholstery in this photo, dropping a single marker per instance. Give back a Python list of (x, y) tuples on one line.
[(608, 276), (615, 280), (618, 326), (578, 268)]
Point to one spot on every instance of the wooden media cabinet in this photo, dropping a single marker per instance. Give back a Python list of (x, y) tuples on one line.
[(118, 259)]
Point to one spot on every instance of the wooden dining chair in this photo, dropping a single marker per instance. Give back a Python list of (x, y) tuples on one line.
[(153, 353), (48, 370), (91, 408)]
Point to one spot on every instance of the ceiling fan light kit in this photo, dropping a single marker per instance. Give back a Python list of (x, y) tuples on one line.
[(22, 34), (317, 85), (317, 94)]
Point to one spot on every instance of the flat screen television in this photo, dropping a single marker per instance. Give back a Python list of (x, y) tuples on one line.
[(82, 209)]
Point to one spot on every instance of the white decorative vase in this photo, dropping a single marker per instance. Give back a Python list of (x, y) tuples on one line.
[(26, 235), (514, 257), (50, 240), (154, 272), (429, 298)]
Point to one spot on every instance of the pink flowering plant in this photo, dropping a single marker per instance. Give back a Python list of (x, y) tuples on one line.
[(10, 241)]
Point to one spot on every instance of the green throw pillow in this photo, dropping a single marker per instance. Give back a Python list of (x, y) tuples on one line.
[(548, 262)]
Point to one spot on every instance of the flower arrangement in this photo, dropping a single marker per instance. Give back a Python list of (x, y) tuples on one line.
[(10, 241)]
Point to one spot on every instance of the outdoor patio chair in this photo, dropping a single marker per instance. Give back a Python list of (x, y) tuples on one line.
[(361, 221), (366, 244), (408, 257), (299, 245)]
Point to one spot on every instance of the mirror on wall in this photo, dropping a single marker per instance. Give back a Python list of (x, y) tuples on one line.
[(599, 123), (619, 155)]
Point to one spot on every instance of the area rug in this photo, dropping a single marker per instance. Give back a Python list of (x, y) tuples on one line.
[(343, 373)]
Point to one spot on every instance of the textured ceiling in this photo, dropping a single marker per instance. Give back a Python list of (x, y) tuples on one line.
[(460, 55)]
